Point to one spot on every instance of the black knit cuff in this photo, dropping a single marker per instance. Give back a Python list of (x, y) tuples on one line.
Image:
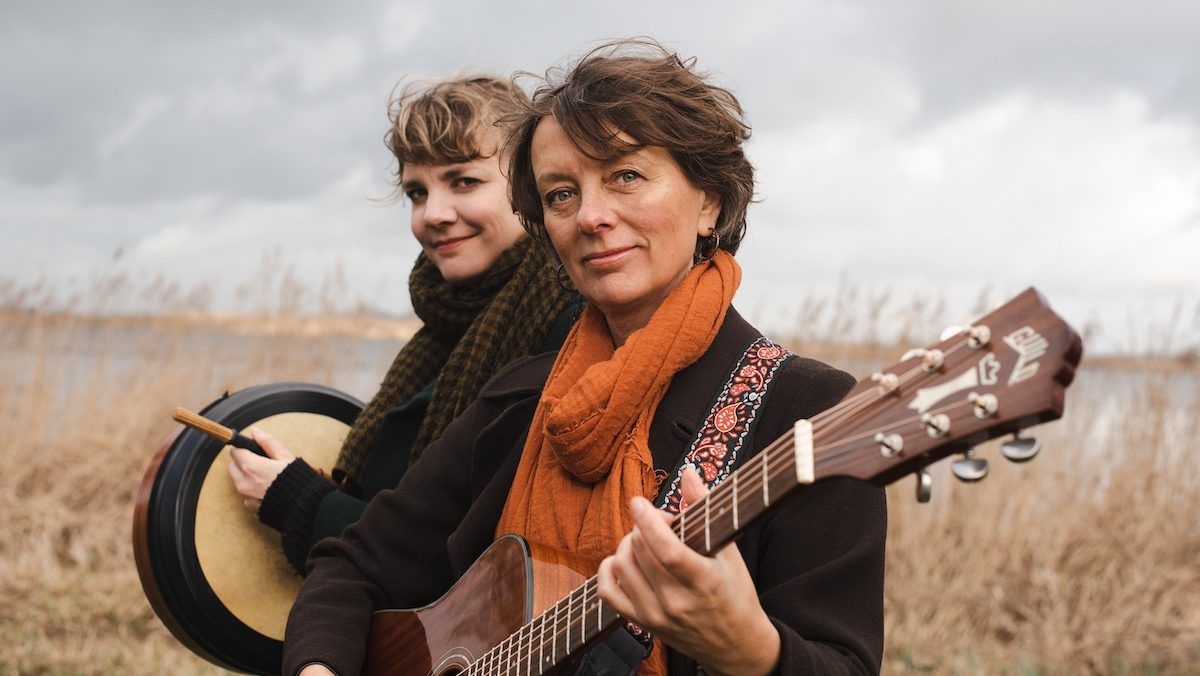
[(290, 507), (297, 481)]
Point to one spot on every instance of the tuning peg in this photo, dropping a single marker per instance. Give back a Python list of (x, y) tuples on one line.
[(1021, 449), (978, 336), (924, 486), (950, 332), (970, 468), (936, 425), (931, 360)]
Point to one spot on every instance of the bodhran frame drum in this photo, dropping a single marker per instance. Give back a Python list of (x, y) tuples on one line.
[(215, 576)]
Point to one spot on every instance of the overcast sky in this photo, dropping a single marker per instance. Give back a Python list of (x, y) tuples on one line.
[(937, 148)]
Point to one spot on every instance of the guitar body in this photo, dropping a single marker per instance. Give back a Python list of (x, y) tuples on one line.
[(508, 585)]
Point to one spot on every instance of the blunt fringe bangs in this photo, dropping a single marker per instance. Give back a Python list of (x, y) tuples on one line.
[(441, 123)]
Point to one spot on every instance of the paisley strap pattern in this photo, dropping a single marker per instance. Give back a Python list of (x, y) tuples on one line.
[(718, 443), (715, 451)]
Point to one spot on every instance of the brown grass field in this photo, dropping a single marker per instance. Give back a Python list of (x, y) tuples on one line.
[(1086, 560)]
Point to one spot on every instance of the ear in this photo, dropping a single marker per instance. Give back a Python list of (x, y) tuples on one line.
[(710, 211)]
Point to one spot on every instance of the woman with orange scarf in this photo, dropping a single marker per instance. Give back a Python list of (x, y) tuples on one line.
[(631, 170)]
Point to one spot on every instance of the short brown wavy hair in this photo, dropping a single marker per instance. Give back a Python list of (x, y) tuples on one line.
[(652, 95), (440, 122)]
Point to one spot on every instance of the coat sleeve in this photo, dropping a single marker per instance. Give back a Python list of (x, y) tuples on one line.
[(818, 560), (394, 556)]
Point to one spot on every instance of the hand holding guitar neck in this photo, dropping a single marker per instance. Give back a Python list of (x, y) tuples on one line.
[(217, 431)]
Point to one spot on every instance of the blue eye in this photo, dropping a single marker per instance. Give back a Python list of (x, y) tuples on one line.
[(555, 197), (627, 176)]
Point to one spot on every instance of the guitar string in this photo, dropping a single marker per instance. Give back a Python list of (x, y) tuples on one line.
[(852, 406), (871, 396), (785, 443), (590, 592), (779, 458), (776, 462), (589, 588), (776, 466)]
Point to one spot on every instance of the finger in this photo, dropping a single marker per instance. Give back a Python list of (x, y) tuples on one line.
[(241, 457), (674, 557), (236, 472), (272, 446), (654, 569), (609, 590), (694, 488), (645, 596)]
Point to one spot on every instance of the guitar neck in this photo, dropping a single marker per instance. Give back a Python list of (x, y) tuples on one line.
[(705, 526)]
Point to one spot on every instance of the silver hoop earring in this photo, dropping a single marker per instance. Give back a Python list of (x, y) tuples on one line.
[(560, 276), (708, 248)]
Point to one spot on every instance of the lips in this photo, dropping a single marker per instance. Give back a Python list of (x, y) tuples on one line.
[(450, 243), (608, 257)]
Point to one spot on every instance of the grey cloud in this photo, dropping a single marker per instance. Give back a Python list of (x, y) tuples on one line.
[(126, 120)]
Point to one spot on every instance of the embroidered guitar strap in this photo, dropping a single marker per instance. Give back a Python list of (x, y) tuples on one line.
[(717, 447)]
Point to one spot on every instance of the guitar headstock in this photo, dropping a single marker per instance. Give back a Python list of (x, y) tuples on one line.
[(1005, 372)]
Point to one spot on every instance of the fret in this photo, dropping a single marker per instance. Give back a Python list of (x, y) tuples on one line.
[(583, 613), (554, 636), (570, 597), (541, 644), (735, 501), (683, 525), (707, 536), (766, 482), (528, 650)]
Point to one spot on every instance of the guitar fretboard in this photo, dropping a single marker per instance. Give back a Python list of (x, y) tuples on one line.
[(712, 522), (705, 526)]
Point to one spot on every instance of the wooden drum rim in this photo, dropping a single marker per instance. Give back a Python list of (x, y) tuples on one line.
[(164, 525)]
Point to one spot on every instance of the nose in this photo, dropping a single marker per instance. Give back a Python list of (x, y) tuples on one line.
[(595, 211), (438, 210)]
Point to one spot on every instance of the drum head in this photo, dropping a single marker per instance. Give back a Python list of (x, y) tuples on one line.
[(215, 575)]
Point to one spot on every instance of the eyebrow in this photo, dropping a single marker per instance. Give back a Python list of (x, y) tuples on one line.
[(552, 177), (452, 172), (555, 176), (449, 174)]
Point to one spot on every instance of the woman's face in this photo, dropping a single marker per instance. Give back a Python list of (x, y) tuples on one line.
[(624, 229), (461, 215)]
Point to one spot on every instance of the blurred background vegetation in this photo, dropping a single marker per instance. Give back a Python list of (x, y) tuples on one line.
[(1083, 561)]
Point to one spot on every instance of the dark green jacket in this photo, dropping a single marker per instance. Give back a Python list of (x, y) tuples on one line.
[(306, 507)]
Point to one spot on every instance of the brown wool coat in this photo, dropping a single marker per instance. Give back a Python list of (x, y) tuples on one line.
[(817, 561)]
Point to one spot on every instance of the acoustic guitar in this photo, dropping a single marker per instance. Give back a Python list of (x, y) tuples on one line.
[(523, 610)]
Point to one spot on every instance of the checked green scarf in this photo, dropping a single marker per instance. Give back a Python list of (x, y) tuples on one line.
[(470, 333)]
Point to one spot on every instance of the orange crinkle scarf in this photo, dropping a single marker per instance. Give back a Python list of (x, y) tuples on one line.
[(588, 450)]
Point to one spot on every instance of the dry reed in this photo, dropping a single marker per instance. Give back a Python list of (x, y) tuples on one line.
[(1083, 561)]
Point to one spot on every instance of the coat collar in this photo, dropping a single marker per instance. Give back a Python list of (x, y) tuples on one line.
[(688, 398), (692, 391)]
